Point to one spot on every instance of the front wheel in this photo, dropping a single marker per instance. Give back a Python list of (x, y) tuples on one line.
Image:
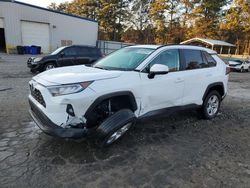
[(114, 127), (49, 66), (211, 105)]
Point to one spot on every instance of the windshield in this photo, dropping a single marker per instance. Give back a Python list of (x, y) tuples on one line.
[(126, 59), (58, 50)]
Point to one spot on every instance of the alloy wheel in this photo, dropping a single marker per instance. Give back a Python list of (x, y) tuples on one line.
[(116, 135), (213, 105)]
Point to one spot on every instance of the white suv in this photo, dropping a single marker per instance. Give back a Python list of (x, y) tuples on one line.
[(133, 83), (239, 65)]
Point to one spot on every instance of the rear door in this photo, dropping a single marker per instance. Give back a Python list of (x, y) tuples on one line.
[(67, 57), (83, 56), (198, 73)]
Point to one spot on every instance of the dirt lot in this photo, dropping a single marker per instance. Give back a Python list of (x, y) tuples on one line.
[(171, 151)]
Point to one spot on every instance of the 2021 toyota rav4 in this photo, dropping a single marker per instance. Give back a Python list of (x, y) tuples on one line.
[(135, 82)]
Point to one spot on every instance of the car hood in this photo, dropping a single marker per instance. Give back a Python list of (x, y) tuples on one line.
[(74, 74)]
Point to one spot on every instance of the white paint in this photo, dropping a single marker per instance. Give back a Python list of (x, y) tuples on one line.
[(36, 34)]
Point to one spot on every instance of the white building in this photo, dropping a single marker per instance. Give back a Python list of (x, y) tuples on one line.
[(25, 25)]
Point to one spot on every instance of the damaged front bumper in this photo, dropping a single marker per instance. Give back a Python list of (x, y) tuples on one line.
[(47, 126)]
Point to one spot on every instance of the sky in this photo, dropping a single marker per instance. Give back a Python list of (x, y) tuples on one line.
[(43, 3)]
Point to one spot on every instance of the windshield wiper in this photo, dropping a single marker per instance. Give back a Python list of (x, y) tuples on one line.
[(101, 68)]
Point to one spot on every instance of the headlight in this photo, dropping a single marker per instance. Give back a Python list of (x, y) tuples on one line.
[(37, 59), (68, 89)]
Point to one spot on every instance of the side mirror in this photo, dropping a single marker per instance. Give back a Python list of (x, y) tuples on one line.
[(158, 69)]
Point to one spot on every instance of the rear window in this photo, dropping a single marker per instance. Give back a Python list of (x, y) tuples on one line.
[(88, 52), (208, 59), (95, 52)]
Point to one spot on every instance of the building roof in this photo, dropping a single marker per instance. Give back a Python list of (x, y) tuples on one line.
[(54, 11), (208, 41)]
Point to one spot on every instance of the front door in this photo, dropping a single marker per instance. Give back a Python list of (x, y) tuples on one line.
[(67, 57), (162, 91)]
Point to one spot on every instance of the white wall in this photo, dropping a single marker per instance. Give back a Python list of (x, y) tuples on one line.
[(62, 27)]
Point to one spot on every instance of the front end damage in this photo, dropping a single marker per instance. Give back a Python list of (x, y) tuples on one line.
[(73, 128)]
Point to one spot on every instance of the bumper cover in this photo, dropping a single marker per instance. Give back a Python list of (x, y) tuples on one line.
[(48, 127)]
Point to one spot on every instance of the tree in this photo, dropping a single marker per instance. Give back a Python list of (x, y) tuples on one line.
[(236, 24), (138, 22), (206, 14), (112, 14)]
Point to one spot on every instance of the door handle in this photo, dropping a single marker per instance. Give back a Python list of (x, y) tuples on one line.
[(209, 75), (179, 80)]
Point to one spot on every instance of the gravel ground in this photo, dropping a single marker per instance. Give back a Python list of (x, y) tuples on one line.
[(178, 150)]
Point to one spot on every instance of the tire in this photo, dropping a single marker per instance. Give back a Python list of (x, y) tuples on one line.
[(248, 70), (114, 127), (241, 69), (211, 105), (33, 71), (49, 66)]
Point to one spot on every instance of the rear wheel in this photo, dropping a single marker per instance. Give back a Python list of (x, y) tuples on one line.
[(49, 66), (211, 105)]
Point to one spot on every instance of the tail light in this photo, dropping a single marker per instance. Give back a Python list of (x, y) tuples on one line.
[(228, 70)]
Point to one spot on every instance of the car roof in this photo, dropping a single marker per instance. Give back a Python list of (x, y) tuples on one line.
[(150, 46), (82, 46), (175, 46)]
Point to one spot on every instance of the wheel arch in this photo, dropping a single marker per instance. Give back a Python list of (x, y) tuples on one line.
[(217, 86), (49, 61), (102, 98)]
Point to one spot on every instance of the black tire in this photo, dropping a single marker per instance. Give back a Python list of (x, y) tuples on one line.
[(49, 66), (113, 124), (210, 114), (33, 71), (248, 70)]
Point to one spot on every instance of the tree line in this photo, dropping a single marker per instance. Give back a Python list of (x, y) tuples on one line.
[(166, 21)]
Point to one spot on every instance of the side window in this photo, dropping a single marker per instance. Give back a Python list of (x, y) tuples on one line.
[(209, 59), (193, 59), (171, 58), (93, 52), (70, 52), (83, 51)]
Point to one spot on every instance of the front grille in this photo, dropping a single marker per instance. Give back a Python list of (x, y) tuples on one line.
[(38, 96)]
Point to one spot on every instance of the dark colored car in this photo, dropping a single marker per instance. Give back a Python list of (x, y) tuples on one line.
[(65, 56)]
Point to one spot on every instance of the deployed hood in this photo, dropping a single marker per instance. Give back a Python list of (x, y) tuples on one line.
[(74, 74)]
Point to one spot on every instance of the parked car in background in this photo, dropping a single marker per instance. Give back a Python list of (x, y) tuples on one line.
[(239, 65), (65, 56), (132, 83)]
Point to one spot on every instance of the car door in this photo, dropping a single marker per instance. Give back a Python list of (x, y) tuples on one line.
[(67, 57), (198, 74), (162, 91), (83, 56)]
